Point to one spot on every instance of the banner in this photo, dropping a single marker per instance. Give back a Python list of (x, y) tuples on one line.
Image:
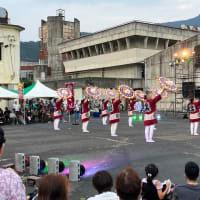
[(70, 101), (20, 90)]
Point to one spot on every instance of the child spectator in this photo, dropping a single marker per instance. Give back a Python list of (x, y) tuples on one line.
[(103, 183), (128, 185), (53, 187), (152, 188)]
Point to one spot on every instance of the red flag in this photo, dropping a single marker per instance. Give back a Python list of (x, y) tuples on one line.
[(70, 101)]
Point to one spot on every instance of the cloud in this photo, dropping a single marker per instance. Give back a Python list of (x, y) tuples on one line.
[(97, 15)]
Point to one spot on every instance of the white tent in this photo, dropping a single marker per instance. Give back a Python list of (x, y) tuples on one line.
[(7, 94), (39, 90)]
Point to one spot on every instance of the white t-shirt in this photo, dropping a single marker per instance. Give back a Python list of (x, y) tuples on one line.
[(105, 196), (16, 107)]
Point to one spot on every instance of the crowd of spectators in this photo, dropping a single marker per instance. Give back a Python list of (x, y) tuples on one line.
[(33, 111), (128, 185)]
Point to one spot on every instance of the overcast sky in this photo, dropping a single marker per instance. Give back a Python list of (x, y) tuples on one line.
[(96, 15)]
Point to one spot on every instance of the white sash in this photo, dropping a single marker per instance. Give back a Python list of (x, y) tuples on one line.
[(149, 116), (104, 112), (130, 113), (57, 113), (114, 116), (85, 115), (194, 116)]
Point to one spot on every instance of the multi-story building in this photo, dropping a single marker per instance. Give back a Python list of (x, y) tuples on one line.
[(116, 55), (51, 33), (9, 51)]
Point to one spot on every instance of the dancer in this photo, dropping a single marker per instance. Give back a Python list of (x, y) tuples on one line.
[(131, 109), (85, 115), (194, 116), (104, 113), (149, 115), (115, 116), (57, 113)]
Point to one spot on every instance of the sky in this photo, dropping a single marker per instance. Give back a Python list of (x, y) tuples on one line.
[(96, 15)]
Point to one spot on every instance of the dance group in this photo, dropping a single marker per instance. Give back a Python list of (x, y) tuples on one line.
[(126, 92)]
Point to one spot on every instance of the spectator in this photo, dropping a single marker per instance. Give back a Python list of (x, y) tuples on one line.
[(152, 189), (103, 183), (13, 116), (128, 185), (16, 106), (191, 190), (7, 115), (11, 186), (53, 187), (2, 119), (77, 111)]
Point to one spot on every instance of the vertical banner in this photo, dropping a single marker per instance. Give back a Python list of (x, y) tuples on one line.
[(70, 101), (20, 90)]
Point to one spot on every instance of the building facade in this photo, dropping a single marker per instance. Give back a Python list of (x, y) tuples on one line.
[(51, 33), (180, 63), (9, 51), (117, 53)]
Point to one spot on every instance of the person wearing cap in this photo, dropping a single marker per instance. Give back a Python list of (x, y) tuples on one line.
[(11, 185), (149, 115)]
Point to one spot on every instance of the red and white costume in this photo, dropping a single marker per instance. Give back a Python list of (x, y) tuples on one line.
[(131, 109), (115, 116), (104, 112), (150, 117), (85, 115), (57, 114), (194, 117)]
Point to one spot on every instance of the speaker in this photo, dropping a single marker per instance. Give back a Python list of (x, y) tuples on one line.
[(34, 165), (197, 93), (53, 165), (188, 89), (20, 162), (74, 170)]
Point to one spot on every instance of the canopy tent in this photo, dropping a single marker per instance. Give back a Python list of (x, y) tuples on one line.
[(7, 94), (39, 90)]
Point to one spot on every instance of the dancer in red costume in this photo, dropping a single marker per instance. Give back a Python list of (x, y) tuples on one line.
[(104, 112), (194, 116), (57, 114), (115, 116), (131, 108), (149, 116), (85, 115)]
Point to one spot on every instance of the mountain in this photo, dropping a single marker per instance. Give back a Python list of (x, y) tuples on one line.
[(192, 22), (29, 51)]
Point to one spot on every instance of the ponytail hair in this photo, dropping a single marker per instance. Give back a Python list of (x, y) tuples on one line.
[(151, 171)]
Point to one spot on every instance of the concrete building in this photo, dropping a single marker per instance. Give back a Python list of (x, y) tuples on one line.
[(27, 70), (51, 33), (117, 53), (9, 52), (180, 63)]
